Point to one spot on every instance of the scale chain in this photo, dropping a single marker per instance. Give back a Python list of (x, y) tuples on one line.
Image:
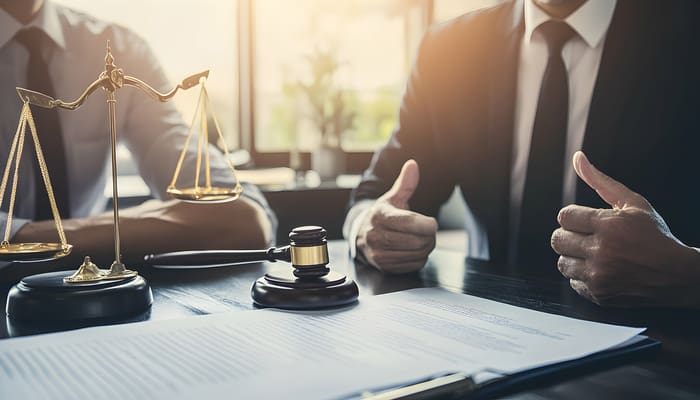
[(10, 158), (45, 176), (205, 137), (223, 142), (178, 167), (13, 189), (16, 150)]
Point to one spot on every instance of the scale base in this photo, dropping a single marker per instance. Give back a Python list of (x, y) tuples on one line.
[(286, 291), (47, 297)]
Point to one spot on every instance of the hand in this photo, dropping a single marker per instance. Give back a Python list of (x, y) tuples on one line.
[(393, 238), (624, 256)]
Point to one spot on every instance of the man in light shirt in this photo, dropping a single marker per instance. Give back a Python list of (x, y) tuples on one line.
[(501, 100), (66, 49)]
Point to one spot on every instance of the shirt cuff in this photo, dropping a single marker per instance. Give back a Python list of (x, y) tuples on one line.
[(17, 224), (254, 194), (352, 224)]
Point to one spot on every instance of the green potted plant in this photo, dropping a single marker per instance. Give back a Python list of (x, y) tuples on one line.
[(329, 112)]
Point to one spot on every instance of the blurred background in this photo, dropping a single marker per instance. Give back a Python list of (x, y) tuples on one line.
[(262, 52), (303, 84)]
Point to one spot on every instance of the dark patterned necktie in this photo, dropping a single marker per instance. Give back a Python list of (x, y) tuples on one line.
[(48, 128), (542, 197)]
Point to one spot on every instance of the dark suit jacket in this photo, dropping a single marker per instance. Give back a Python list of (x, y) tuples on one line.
[(456, 118)]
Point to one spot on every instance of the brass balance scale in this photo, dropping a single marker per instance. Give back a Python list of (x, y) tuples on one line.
[(95, 293), (88, 276)]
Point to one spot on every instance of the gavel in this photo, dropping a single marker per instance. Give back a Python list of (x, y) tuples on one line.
[(310, 285)]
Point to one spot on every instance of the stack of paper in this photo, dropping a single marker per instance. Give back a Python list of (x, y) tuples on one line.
[(381, 342)]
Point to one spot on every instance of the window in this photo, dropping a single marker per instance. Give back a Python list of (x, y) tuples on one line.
[(368, 45), (364, 40), (263, 54), (187, 37)]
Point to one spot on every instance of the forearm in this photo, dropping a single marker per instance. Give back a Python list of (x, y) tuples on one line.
[(158, 226), (351, 226)]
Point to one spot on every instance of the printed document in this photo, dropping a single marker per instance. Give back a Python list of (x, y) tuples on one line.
[(381, 342)]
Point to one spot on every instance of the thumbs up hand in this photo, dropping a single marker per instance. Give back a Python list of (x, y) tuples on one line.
[(625, 255), (391, 237)]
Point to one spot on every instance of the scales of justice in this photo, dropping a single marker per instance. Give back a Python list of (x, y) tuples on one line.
[(92, 292)]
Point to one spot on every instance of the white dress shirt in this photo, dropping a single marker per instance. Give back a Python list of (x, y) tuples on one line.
[(581, 56), (154, 132)]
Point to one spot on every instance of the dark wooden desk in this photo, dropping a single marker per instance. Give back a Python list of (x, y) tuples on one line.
[(671, 373), (324, 205)]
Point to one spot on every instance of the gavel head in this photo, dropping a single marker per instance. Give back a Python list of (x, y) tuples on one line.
[(311, 284), (309, 251)]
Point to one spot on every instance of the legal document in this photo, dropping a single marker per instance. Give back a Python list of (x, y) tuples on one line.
[(383, 341)]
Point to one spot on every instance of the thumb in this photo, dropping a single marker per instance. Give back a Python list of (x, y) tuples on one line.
[(404, 186), (613, 192)]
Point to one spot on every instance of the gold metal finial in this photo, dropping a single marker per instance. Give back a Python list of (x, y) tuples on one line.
[(109, 58), (113, 76), (87, 272), (118, 271)]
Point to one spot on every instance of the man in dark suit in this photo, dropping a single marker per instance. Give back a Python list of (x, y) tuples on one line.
[(500, 101)]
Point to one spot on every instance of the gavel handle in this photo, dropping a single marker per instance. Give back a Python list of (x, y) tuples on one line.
[(216, 257)]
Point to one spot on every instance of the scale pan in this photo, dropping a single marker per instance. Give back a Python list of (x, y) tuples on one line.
[(206, 194), (33, 252)]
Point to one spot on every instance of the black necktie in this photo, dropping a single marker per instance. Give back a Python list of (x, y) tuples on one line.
[(542, 197), (48, 128)]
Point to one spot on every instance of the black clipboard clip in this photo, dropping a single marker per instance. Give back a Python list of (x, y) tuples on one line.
[(454, 385), (459, 385)]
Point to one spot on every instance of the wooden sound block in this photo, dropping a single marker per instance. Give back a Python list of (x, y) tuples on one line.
[(46, 297), (284, 290)]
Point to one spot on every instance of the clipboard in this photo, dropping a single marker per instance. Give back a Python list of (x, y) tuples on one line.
[(461, 386)]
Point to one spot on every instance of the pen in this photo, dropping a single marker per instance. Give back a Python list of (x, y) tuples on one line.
[(453, 385)]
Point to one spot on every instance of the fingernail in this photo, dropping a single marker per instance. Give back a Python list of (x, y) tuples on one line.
[(577, 161)]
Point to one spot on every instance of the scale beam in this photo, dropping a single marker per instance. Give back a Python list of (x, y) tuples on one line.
[(42, 100), (186, 83), (107, 83)]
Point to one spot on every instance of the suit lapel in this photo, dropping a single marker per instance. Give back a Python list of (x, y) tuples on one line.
[(622, 58), (503, 62)]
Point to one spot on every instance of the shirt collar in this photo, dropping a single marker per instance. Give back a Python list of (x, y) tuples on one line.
[(8, 27), (47, 19), (590, 21)]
